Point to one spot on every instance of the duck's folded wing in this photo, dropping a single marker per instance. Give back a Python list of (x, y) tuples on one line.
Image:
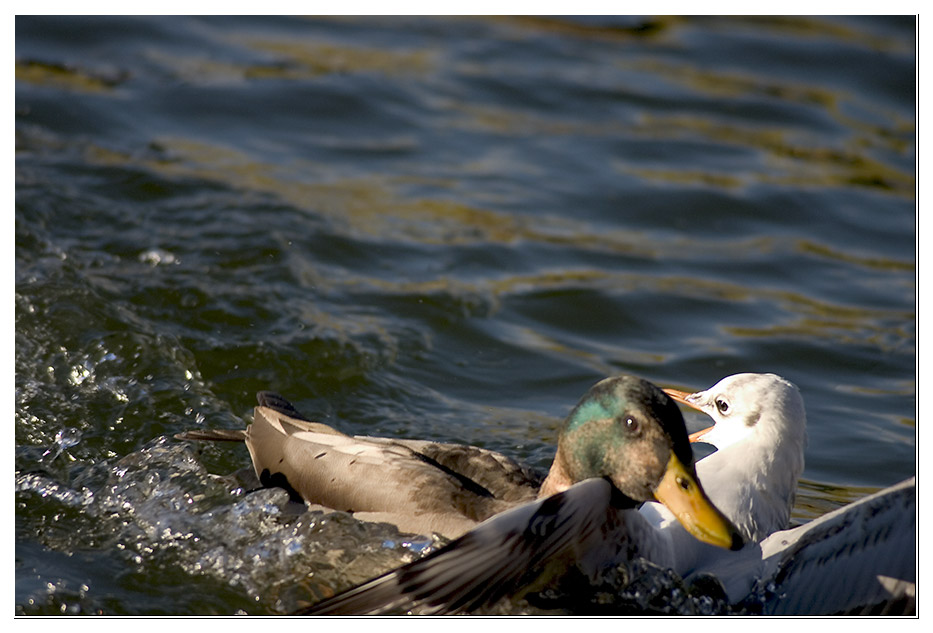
[(501, 476), (337, 470), (490, 561), (857, 557), (417, 486)]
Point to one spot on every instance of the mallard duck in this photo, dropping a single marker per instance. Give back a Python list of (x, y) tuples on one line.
[(624, 443), (420, 487), (624, 429), (858, 556)]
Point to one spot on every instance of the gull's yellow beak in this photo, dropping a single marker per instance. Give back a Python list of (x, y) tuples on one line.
[(681, 397), (680, 491)]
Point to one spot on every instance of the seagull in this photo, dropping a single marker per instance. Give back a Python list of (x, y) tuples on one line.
[(858, 556), (760, 435), (848, 560)]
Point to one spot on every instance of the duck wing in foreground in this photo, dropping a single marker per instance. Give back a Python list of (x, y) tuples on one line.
[(495, 559)]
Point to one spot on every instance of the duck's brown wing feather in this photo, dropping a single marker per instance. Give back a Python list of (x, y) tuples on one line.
[(493, 560), (419, 486), (501, 476), (369, 476)]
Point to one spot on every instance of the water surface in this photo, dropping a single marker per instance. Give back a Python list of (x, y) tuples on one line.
[(430, 228)]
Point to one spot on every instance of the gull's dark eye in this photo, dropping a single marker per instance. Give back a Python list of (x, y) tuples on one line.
[(722, 405)]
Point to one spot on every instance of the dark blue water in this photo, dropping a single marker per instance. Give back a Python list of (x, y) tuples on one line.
[(432, 228)]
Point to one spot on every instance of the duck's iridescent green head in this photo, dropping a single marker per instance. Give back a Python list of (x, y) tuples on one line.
[(629, 431)]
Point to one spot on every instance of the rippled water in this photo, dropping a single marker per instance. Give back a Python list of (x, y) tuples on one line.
[(433, 228)]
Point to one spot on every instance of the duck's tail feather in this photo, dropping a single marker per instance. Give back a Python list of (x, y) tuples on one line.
[(278, 403), (268, 399), (213, 435)]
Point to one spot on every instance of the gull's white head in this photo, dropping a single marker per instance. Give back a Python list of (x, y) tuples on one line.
[(743, 405), (760, 434)]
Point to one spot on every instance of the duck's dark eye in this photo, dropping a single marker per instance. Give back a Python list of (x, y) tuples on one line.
[(631, 425), (722, 405)]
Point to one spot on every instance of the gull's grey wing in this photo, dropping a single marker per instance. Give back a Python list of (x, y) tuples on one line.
[(857, 557)]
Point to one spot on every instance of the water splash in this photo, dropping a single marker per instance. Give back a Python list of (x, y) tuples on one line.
[(64, 439)]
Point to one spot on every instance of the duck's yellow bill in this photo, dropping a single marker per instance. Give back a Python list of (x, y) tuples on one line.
[(680, 491)]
